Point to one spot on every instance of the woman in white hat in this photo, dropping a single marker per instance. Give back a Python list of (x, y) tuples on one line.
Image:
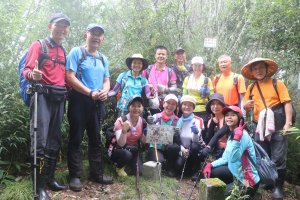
[(200, 87), (261, 70), (190, 127), (131, 83), (166, 118)]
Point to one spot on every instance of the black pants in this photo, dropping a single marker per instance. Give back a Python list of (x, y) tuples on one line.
[(177, 161), (127, 156), (83, 116), (225, 175), (49, 119)]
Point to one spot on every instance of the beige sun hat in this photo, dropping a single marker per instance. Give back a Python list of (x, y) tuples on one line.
[(272, 68), (137, 56)]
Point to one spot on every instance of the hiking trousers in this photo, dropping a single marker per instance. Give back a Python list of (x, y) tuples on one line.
[(83, 115), (49, 119)]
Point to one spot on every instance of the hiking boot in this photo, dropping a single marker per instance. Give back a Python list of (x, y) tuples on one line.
[(121, 172), (98, 179), (277, 193), (278, 189), (75, 184)]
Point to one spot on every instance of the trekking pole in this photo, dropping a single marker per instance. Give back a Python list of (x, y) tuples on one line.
[(101, 145), (35, 196), (198, 176), (178, 187), (251, 118), (137, 178), (159, 173)]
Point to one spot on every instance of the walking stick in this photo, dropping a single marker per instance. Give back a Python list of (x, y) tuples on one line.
[(137, 177), (178, 187), (159, 173), (251, 118), (35, 196), (100, 118)]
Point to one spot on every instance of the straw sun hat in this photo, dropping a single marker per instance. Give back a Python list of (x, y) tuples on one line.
[(272, 67)]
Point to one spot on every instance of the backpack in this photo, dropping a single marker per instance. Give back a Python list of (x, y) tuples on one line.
[(83, 58), (23, 82), (110, 137), (235, 83), (265, 167), (279, 112)]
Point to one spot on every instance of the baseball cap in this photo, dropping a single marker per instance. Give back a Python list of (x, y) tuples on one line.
[(179, 50), (135, 98), (171, 96), (232, 108), (197, 59), (92, 26), (56, 17)]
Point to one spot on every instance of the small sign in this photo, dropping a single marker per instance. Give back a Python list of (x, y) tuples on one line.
[(210, 42), (160, 134)]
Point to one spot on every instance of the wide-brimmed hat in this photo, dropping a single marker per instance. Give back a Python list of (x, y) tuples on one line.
[(232, 108), (188, 98), (215, 96), (94, 26), (136, 56), (272, 68), (135, 98), (171, 96)]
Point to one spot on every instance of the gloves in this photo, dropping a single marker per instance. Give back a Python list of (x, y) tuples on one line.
[(145, 131), (111, 93), (238, 132), (150, 119), (205, 152), (194, 129), (207, 170)]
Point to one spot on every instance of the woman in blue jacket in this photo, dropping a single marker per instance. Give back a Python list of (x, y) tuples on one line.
[(235, 160)]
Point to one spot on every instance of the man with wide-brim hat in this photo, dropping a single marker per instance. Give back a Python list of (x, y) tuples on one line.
[(261, 70), (131, 83)]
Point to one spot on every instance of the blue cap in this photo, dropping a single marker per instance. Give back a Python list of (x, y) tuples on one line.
[(92, 26)]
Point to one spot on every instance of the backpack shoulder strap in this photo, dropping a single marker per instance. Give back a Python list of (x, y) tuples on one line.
[(274, 81), (124, 118), (169, 76), (206, 80), (148, 71), (200, 120), (44, 54), (251, 88), (83, 55), (144, 123), (216, 80)]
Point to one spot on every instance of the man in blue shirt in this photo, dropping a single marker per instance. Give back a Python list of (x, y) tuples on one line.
[(89, 79)]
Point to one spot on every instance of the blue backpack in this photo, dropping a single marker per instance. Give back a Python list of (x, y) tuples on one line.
[(23, 82)]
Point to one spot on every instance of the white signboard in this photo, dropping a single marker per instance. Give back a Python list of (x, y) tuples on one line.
[(160, 134), (210, 42)]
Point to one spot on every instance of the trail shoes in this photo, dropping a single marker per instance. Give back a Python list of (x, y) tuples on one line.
[(102, 180), (75, 184), (121, 172), (277, 193)]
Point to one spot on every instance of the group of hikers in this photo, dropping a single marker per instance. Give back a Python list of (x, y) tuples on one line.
[(208, 116)]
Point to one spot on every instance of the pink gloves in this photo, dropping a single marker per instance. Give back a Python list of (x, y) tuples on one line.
[(207, 170), (238, 132)]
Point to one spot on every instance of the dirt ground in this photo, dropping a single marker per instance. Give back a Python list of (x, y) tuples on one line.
[(93, 191)]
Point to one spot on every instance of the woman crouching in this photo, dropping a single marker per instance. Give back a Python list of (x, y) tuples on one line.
[(129, 131), (235, 160)]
